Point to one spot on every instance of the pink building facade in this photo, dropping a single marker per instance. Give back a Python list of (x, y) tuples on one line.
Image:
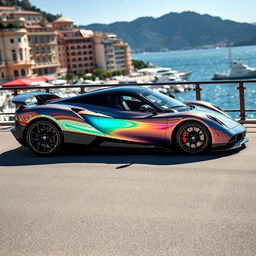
[(75, 47)]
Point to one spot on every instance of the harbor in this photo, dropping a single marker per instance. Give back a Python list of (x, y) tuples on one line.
[(202, 64)]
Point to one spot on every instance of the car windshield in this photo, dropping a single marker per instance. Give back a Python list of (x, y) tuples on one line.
[(162, 101)]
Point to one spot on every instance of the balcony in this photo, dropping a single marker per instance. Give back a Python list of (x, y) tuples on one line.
[(19, 62), (13, 30), (45, 65)]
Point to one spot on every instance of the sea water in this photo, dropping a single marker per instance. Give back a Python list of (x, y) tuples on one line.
[(203, 64)]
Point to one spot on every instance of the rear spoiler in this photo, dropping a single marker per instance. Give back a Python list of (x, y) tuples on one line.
[(41, 97)]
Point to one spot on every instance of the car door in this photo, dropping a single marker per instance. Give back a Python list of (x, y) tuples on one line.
[(124, 119)]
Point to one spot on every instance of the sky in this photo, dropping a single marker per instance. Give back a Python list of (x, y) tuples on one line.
[(84, 12)]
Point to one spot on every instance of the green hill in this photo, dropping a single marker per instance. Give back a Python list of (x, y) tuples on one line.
[(175, 31)]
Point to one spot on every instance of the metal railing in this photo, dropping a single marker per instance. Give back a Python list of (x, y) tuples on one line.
[(197, 88)]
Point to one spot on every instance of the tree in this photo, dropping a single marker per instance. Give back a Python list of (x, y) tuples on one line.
[(139, 64), (117, 73), (80, 74), (98, 72), (26, 3), (70, 77)]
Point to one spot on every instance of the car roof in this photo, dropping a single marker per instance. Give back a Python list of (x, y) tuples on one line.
[(120, 89), (130, 90)]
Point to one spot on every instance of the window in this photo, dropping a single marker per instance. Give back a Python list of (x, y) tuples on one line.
[(21, 54), (98, 100), (23, 72), (119, 102), (11, 40), (16, 73), (19, 40), (125, 102), (162, 101), (14, 55)]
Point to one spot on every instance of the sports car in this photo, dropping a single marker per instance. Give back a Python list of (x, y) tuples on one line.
[(125, 114)]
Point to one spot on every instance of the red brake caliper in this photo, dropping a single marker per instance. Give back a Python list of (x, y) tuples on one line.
[(184, 137)]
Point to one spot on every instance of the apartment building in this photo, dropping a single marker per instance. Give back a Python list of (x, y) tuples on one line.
[(32, 42), (43, 49), (31, 17), (31, 46), (15, 59), (112, 53), (75, 47)]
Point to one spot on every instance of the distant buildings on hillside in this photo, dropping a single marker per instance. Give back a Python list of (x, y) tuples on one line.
[(31, 46)]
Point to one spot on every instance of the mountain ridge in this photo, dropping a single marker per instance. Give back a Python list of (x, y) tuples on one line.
[(174, 31)]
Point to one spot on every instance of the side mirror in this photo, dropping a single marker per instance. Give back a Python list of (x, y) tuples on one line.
[(147, 108), (171, 95)]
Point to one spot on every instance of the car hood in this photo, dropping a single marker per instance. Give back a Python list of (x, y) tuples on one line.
[(229, 122)]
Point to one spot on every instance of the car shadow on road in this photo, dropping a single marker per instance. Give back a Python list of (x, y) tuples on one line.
[(124, 157)]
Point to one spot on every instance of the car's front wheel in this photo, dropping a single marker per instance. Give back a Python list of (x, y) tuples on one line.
[(43, 138), (193, 138)]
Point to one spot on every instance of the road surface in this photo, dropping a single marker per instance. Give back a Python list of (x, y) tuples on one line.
[(126, 202)]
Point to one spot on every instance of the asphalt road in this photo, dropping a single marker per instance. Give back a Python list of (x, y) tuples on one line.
[(127, 202)]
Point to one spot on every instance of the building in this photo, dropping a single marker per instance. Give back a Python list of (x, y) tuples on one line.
[(28, 45), (75, 47), (7, 9), (112, 53), (15, 60), (43, 49), (31, 17)]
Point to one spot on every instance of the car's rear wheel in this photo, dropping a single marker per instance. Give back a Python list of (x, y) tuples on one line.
[(43, 138), (193, 138)]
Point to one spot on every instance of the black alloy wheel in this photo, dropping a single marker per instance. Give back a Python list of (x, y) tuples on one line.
[(43, 138), (193, 138)]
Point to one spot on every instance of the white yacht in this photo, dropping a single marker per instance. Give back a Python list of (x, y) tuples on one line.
[(161, 73), (238, 70)]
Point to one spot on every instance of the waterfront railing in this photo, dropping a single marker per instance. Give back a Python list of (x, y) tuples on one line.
[(197, 87)]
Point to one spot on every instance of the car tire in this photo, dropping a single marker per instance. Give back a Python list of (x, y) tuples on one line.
[(192, 138), (44, 138)]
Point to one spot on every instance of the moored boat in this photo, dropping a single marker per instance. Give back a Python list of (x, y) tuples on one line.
[(238, 70)]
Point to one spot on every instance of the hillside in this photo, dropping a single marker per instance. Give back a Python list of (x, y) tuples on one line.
[(25, 4), (179, 31)]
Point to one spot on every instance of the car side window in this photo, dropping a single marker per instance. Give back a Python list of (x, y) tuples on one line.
[(97, 100), (125, 102)]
